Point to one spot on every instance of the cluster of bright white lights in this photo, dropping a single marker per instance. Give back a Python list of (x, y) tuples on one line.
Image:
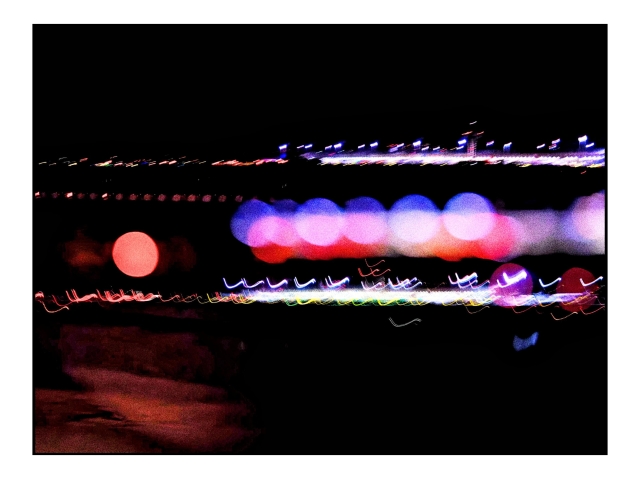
[(594, 159)]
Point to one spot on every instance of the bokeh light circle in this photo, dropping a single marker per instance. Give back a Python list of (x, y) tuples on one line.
[(365, 221), (508, 282), (414, 219), (587, 218), (135, 254), (501, 243), (281, 229), (319, 222), (469, 216), (573, 281), (246, 226)]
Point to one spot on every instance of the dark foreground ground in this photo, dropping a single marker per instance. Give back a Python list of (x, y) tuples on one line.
[(321, 381)]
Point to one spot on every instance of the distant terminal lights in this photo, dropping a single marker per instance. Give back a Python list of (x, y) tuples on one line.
[(588, 159), (415, 152)]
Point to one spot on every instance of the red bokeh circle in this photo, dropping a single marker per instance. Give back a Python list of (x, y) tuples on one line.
[(572, 282), (135, 254)]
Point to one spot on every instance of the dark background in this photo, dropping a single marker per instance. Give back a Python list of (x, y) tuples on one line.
[(328, 379)]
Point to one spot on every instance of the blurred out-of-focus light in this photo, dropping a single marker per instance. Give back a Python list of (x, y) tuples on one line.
[(462, 142), (414, 219), (582, 139), (508, 282), (319, 221), (578, 280), (587, 218), (135, 254), (249, 214), (469, 216), (365, 220), (374, 144)]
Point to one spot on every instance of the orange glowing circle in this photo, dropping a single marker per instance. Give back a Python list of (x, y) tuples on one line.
[(135, 254)]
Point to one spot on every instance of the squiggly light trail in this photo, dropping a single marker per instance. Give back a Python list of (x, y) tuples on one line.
[(481, 297)]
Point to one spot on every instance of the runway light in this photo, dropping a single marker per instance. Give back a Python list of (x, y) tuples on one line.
[(162, 197), (582, 139), (462, 142), (374, 144), (93, 196), (147, 197), (555, 142), (192, 198), (360, 146), (105, 196), (133, 197), (282, 147), (589, 145), (490, 143), (176, 198), (69, 195), (80, 196), (417, 143), (206, 198), (436, 148), (540, 146), (337, 146), (308, 146)]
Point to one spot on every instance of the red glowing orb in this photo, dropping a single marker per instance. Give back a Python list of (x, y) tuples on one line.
[(135, 254), (578, 280), (509, 282)]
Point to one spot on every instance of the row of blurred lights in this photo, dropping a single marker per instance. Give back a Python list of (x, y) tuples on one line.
[(134, 197)]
